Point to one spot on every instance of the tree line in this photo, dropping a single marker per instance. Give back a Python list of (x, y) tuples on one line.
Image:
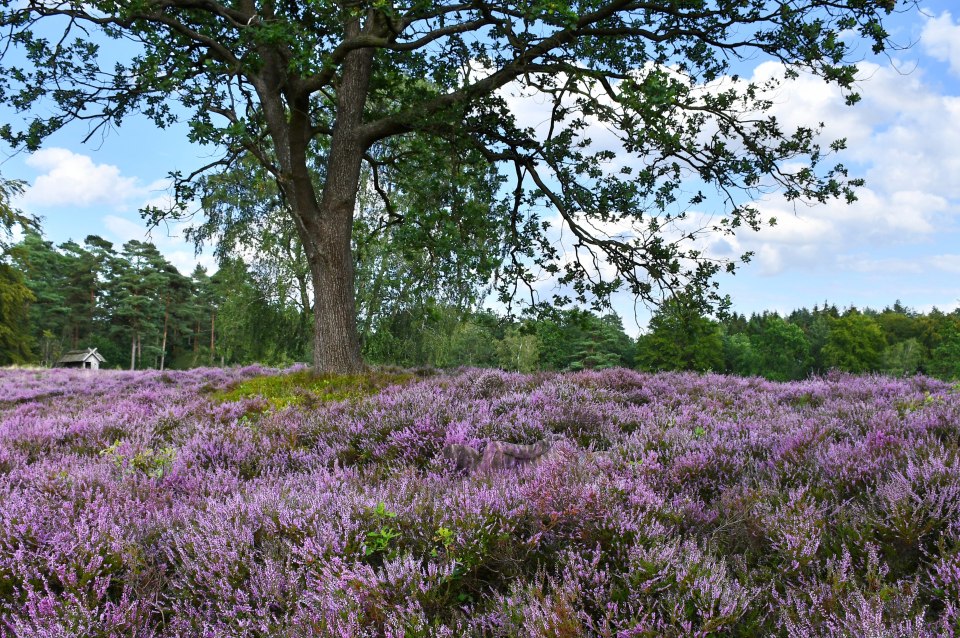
[(140, 312), (896, 341), (130, 303)]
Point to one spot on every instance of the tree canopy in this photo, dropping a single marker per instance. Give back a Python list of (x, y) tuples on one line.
[(681, 338), (313, 91)]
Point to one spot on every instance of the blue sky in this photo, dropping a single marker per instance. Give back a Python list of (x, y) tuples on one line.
[(901, 240)]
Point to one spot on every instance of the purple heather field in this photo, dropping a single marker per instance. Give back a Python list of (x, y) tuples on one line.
[(145, 504)]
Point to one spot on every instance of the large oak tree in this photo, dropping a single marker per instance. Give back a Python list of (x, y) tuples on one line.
[(312, 89)]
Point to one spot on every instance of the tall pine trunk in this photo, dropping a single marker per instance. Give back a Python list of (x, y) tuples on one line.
[(213, 339), (133, 351), (163, 345)]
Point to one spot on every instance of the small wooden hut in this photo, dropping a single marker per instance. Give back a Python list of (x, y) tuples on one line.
[(88, 359)]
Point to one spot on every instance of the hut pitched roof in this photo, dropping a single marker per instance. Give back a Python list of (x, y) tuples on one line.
[(79, 356)]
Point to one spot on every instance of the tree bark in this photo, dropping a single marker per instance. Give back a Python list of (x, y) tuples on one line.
[(325, 223), (336, 346), (213, 341), (163, 345)]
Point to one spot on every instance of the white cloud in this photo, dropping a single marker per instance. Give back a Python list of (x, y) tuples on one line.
[(168, 238), (903, 137), (893, 266), (918, 151), (827, 236), (185, 261), (124, 229), (940, 38), (72, 179), (947, 263)]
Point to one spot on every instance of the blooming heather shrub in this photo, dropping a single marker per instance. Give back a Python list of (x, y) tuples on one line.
[(856, 599), (190, 504)]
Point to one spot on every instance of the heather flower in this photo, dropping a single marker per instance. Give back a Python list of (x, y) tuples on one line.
[(145, 504)]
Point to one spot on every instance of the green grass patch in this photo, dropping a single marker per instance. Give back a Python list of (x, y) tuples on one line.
[(303, 388)]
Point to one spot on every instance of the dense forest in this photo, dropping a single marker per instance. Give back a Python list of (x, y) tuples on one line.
[(140, 312)]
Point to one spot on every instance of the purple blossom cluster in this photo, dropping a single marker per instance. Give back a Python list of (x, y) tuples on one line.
[(142, 504)]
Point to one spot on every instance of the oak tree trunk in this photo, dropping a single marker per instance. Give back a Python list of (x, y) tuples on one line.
[(324, 220), (336, 348)]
